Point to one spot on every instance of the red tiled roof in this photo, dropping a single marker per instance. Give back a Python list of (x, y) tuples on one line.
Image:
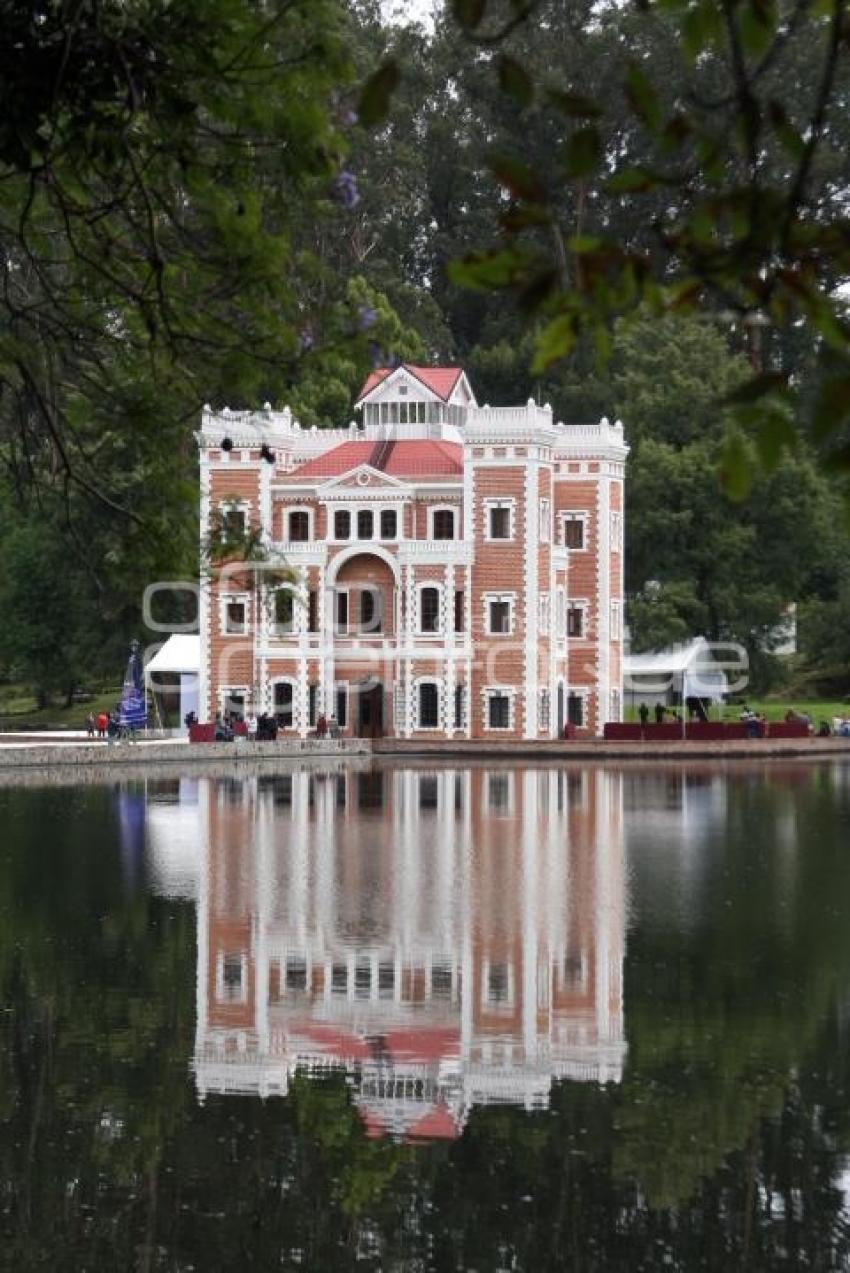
[(422, 1045), (416, 457), (440, 380), (437, 1124)]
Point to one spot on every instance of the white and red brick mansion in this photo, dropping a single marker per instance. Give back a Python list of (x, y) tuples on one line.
[(459, 568)]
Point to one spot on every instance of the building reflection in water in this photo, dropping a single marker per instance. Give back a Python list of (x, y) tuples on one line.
[(450, 937)]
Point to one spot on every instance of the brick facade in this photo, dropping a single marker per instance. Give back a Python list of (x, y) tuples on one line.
[(489, 617)]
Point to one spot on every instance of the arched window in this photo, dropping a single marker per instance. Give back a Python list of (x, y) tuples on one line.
[(444, 523), (283, 704), (429, 610), (299, 527), (370, 610), (429, 705)]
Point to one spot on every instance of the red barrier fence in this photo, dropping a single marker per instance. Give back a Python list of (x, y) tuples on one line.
[(704, 731)]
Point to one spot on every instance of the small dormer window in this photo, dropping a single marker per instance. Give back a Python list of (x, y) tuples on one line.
[(402, 391)]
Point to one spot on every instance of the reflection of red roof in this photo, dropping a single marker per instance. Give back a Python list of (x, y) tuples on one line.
[(421, 1045), (338, 1043), (437, 1124), (440, 380), (417, 457)]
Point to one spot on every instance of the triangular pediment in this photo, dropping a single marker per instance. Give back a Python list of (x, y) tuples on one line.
[(360, 481)]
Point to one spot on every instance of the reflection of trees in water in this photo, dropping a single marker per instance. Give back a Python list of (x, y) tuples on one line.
[(710, 1152)]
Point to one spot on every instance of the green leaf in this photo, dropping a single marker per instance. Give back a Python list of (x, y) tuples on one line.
[(736, 467), (576, 105), (483, 270), (759, 386), (643, 98), (515, 81), (518, 178), (469, 12), (376, 93), (555, 341), (583, 152), (631, 181)]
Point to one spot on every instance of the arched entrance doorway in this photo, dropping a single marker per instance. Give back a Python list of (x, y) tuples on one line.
[(369, 722)]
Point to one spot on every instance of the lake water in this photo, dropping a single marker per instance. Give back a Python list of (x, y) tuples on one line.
[(429, 1017)]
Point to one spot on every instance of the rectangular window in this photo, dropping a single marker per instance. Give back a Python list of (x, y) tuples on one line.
[(370, 610), (231, 977), (342, 524), (234, 617), (234, 523), (313, 611), (299, 527), (342, 706), (283, 704), (312, 705), (544, 614), (498, 711), (500, 521), (499, 613), (575, 621), (444, 524), (284, 611), (459, 611), (575, 709), (573, 531), (543, 722), (545, 521), (459, 706), (341, 602), (365, 523), (429, 705), (429, 610), (389, 524)]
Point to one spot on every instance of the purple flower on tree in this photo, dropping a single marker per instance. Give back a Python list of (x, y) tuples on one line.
[(344, 189), (305, 339), (366, 317)]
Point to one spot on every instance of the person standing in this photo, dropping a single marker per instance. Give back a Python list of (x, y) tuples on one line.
[(643, 713), (91, 725)]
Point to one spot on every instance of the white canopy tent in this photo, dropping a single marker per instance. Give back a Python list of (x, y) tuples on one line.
[(176, 666), (668, 676)]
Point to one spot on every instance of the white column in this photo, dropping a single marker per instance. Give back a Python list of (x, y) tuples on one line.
[(530, 594)]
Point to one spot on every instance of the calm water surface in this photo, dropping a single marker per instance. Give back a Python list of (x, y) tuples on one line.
[(410, 1018)]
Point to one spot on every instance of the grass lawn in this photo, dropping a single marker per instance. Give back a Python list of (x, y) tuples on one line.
[(773, 709), (18, 710)]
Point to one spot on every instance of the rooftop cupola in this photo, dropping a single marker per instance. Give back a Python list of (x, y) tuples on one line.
[(416, 402)]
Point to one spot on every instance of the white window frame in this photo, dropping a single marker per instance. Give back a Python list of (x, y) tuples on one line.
[(560, 613), (427, 680), (545, 614), (356, 537), (545, 521), (389, 539), (498, 691), (544, 709), (225, 692), (576, 691), (292, 589), (616, 633), (443, 508), (340, 590), (293, 682), (224, 600), (221, 994), (616, 543), (242, 506), (333, 538), (441, 607), (502, 1005), (582, 604), (510, 598), (289, 509), (575, 515), (510, 504)]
